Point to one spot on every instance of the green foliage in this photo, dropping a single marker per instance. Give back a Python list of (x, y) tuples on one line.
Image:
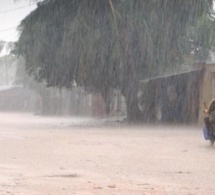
[(63, 40), (200, 38), (105, 43)]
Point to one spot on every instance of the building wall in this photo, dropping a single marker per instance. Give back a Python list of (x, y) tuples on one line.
[(207, 89), (17, 99), (61, 102), (173, 99), (77, 102)]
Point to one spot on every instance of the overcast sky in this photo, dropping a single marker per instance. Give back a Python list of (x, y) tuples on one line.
[(11, 13)]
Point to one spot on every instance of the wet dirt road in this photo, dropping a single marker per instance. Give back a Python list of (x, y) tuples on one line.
[(52, 156)]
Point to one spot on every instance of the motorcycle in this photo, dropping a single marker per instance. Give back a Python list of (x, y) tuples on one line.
[(209, 129), (209, 133)]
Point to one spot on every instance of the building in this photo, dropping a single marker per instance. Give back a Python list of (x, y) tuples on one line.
[(16, 98), (179, 98), (173, 98), (55, 101), (207, 88)]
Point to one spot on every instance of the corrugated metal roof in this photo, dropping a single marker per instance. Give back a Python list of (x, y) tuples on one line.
[(168, 75), (7, 87)]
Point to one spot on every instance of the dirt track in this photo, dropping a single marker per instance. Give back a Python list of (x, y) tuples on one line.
[(50, 156)]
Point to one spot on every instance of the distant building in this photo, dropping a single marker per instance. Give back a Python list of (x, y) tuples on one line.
[(54, 101), (17, 99), (178, 98), (172, 98)]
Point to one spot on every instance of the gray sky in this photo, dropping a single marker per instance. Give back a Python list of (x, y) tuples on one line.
[(17, 10)]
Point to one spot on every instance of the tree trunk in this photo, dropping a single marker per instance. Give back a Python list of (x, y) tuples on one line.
[(130, 93), (133, 111), (106, 94)]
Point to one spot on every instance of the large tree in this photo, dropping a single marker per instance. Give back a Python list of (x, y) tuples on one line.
[(105, 44), (199, 39)]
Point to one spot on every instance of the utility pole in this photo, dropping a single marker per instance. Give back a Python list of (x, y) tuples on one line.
[(6, 70)]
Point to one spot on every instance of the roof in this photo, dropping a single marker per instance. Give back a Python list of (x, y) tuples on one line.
[(6, 49), (168, 75), (7, 87)]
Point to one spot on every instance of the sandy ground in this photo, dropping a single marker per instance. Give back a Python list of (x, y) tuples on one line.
[(64, 156)]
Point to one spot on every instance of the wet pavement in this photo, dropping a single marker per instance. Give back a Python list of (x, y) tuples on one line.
[(61, 156)]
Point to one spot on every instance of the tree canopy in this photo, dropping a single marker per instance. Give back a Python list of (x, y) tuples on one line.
[(105, 44)]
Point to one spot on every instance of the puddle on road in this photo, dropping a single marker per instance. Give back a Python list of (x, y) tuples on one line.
[(64, 176)]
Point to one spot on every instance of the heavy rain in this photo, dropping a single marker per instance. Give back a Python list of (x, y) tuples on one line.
[(107, 97)]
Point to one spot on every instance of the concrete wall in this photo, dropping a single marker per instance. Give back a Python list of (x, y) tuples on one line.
[(207, 89), (61, 102)]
